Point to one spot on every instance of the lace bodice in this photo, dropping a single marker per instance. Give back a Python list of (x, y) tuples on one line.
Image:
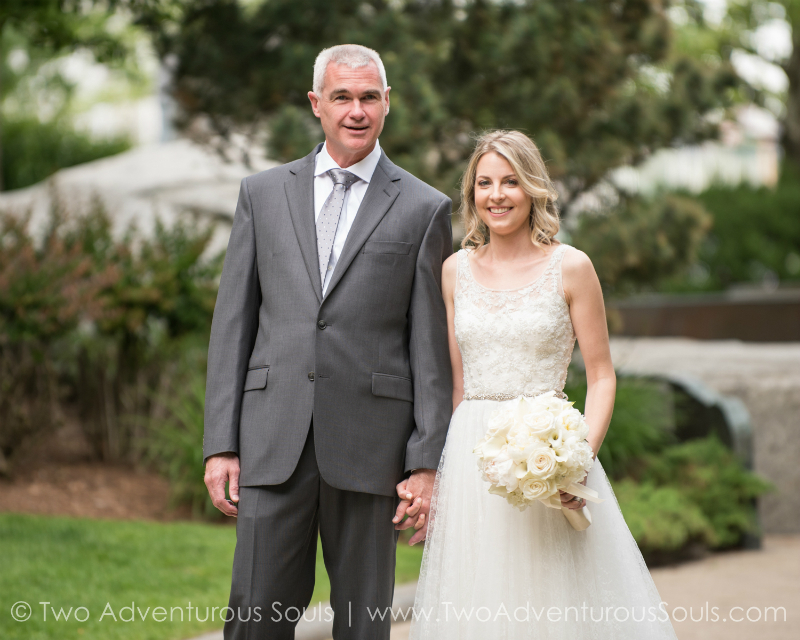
[(515, 342)]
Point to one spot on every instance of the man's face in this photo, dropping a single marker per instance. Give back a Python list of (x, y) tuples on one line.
[(351, 108)]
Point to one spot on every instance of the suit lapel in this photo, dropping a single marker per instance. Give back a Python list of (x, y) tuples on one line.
[(300, 195), (381, 193)]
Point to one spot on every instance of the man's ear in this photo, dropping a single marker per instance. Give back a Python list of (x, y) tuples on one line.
[(314, 103), (386, 99)]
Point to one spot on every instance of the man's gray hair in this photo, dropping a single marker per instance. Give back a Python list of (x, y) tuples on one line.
[(352, 55)]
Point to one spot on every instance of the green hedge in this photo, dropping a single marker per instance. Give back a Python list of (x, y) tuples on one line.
[(34, 150), (755, 236)]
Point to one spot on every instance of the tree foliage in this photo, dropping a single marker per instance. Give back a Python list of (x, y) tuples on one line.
[(596, 84), (641, 243), (43, 30)]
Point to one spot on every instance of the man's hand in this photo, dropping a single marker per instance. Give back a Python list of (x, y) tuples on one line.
[(222, 468), (415, 502)]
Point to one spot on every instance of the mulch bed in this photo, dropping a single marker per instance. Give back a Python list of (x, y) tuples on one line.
[(89, 490)]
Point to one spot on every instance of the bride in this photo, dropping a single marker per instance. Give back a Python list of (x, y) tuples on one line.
[(516, 301)]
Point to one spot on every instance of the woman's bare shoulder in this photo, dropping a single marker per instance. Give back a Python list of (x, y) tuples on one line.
[(576, 263), (578, 277), (450, 272)]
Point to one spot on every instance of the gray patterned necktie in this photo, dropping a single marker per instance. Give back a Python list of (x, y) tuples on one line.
[(328, 218)]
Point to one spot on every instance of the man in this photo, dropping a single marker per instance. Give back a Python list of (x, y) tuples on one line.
[(328, 372)]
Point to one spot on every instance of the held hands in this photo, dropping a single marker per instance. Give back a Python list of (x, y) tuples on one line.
[(222, 468), (415, 502)]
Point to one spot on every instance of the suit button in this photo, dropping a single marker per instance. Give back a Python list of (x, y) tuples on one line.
[(311, 376), (322, 324)]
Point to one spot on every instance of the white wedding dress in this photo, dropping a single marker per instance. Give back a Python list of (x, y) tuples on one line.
[(489, 571)]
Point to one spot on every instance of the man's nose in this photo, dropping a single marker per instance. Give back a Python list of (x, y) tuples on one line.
[(356, 111)]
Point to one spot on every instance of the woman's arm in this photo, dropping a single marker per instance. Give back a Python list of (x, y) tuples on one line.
[(449, 275), (585, 299)]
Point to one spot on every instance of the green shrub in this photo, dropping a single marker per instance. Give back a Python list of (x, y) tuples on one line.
[(34, 150), (710, 476), (660, 517), (673, 495), (640, 423), (98, 328), (175, 447)]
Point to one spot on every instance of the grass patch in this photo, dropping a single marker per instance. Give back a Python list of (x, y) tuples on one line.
[(106, 565)]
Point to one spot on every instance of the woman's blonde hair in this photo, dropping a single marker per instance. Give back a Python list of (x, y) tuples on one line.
[(524, 157)]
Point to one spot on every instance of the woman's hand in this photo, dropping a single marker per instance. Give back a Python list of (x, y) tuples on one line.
[(570, 501)]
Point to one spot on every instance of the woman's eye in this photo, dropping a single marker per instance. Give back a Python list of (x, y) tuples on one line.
[(483, 183), (511, 182)]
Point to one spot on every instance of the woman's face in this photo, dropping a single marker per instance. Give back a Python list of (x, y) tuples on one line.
[(501, 203)]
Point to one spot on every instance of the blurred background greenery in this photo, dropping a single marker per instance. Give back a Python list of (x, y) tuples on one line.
[(107, 330)]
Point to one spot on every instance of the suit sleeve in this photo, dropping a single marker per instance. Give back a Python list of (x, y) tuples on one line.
[(233, 333), (428, 346)]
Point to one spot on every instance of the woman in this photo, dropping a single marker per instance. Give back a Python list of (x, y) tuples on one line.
[(516, 301)]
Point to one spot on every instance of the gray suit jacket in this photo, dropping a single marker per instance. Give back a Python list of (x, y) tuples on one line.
[(369, 361)]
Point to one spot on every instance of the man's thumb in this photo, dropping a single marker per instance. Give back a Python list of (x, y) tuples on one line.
[(234, 487)]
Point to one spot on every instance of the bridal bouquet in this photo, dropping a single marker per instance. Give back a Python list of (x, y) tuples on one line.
[(535, 447)]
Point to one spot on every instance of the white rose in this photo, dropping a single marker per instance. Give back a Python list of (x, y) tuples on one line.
[(540, 423), (549, 402), (542, 463), (500, 423), (535, 488)]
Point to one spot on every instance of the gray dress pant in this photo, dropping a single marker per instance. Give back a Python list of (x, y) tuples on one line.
[(275, 558)]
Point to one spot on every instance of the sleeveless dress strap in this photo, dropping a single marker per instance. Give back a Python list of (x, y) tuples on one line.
[(555, 269), (462, 270)]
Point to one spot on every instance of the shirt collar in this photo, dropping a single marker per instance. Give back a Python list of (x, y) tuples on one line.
[(362, 169)]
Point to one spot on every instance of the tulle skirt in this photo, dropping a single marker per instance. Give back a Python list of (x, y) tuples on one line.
[(491, 572)]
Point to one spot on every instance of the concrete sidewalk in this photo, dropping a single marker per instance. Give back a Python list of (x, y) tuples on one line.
[(767, 577)]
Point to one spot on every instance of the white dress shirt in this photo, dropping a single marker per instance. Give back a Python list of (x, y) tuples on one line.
[(323, 186)]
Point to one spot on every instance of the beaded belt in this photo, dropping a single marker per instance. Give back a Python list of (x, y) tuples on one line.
[(506, 396)]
